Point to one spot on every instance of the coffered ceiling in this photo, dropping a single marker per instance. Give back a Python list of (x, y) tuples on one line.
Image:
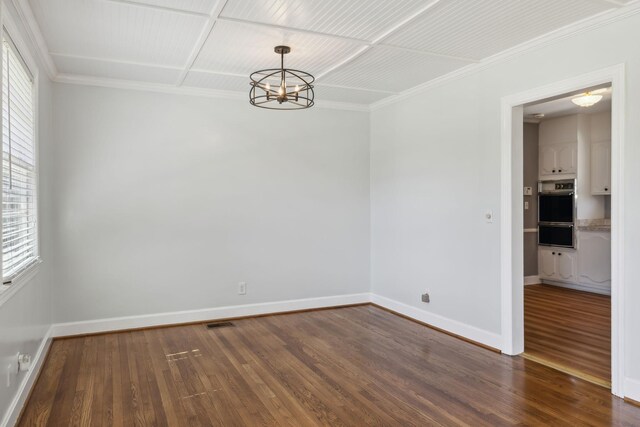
[(361, 51)]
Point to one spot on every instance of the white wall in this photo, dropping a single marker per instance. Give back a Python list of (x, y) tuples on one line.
[(435, 168), (166, 202), (25, 317)]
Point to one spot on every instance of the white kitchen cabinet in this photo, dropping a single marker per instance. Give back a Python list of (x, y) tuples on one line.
[(558, 159), (601, 168), (546, 263), (594, 259), (557, 264)]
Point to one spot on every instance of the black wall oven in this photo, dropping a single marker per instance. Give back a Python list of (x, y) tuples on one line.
[(556, 213)]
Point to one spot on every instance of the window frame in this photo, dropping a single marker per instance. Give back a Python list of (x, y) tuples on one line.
[(9, 27)]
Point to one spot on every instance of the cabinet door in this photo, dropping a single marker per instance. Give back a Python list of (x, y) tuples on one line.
[(566, 158), (594, 259), (566, 265), (546, 263), (601, 168), (547, 160)]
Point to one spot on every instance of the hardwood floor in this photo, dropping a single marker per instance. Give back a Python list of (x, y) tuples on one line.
[(341, 367), (570, 330)]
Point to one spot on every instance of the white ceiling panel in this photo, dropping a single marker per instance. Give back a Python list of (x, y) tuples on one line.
[(391, 69), (116, 70), (197, 6), (241, 49), (355, 96), (339, 41), (361, 19), (217, 81), (115, 30), (478, 29)]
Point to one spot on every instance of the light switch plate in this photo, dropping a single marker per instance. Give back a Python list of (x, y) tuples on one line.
[(528, 191)]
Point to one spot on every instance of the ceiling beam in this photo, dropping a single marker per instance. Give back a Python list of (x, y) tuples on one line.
[(116, 61), (245, 76), (156, 7), (292, 29), (383, 36), (204, 35)]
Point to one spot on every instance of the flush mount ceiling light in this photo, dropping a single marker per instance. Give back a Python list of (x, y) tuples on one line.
[(587, 99), (281, 88)]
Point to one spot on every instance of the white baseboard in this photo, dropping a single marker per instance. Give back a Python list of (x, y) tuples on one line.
[(579, 287), (632, 389), (176, 317), (13, 412), (531, 280), (464, 330)]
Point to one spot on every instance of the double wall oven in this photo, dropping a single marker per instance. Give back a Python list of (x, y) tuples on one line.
[(557, 213)]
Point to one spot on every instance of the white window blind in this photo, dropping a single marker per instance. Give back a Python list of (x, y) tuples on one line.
[(19, 210)]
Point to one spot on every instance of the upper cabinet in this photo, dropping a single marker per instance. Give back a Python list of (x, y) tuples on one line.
[(559, 148), (601, 168), (600, 163), (558, 159)]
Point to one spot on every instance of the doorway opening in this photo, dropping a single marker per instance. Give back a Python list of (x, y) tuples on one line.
[(561, 226), (567, 233)]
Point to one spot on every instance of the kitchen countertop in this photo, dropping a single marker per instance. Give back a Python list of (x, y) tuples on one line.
[(594, 224)]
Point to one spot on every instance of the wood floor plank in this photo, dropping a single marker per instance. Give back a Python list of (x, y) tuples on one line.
[(341, 367), (569, 329)]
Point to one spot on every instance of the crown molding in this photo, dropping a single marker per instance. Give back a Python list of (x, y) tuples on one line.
[(184, 90), (591, 23), (31, 27)]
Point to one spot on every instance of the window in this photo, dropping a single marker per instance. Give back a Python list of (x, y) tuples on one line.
[(19, 210)]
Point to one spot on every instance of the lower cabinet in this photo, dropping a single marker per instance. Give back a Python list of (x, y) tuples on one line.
[(558, 264), (587, 268), (594, 263)]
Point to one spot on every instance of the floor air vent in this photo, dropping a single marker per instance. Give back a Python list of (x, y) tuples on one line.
[(219, 325)]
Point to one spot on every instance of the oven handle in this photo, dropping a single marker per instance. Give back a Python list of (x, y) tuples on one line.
[(556, 193)]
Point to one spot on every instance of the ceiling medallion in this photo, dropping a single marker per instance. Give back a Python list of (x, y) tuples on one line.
[(281, 88)]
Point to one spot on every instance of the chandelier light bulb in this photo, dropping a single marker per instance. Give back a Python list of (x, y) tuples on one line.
[(268, 87)]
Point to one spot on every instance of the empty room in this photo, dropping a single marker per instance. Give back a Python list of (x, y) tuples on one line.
[(320, 213)]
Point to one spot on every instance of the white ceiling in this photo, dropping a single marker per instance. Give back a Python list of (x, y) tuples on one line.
[(361, 51)]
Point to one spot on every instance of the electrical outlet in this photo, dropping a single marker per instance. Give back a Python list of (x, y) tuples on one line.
[(425, 297), (242, 288), (526, 205), (24, 362)]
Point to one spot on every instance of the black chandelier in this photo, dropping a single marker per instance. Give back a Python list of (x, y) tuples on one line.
[(281, 88)]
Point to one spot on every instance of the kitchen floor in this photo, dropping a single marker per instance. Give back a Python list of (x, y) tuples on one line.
[(569, 330)]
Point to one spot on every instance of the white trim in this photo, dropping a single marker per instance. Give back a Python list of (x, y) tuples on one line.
[(465, 330), (184, 90), (632, 389), (511, 254), (32, 29), (18, 282), (530, 230), (591, 23), (578, 287), (531, 280), (176, 317), (20, 398)]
